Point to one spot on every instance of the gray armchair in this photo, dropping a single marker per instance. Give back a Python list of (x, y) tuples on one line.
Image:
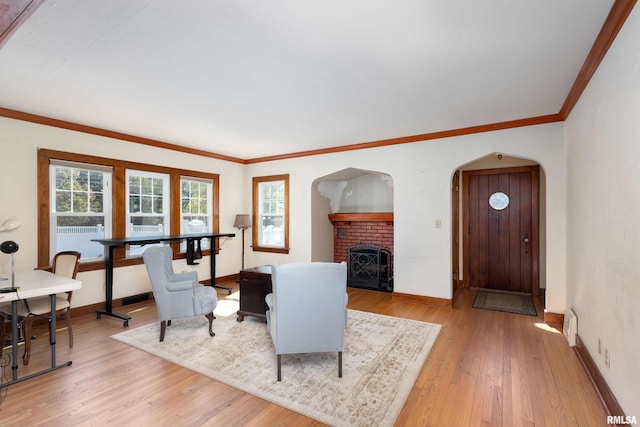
[(177, 295), (307, 310)]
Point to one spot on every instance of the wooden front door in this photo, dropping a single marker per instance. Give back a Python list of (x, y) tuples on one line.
[(501, 210)]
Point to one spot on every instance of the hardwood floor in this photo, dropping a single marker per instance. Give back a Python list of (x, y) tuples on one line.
[(485, 369)]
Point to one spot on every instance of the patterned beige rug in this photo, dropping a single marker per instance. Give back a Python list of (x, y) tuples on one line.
[(382, 359)]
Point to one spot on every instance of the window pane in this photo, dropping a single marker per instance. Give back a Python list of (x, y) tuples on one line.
[(158, 187), (81, 180), (196, 209), (75, 234), (95, 181), (134, 185), (80, 202), (63, 201), (146, 186), (147, 206), (80, 210), (97, 203), (134, 204), (63, 179), (157, 205)]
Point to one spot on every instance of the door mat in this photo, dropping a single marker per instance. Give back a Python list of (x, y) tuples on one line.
[(507, 302)]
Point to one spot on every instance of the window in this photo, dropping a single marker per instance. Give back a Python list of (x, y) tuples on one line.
[(271, 213), (80, 208), (196, 197), (147, 206), (111, 198)]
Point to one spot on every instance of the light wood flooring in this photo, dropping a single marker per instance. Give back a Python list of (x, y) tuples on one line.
[(486, 369)]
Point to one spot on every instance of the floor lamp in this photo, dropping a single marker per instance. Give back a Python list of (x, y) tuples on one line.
[(243, 221)]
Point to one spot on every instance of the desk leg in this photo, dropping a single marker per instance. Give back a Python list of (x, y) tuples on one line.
[(213, 265), (14, 340), (14, 345), (108, 271), (52, 330)]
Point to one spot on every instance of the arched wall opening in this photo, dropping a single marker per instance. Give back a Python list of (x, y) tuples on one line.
[(348, 191)]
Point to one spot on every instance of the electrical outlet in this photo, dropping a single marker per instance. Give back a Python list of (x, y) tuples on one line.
[(607, 360)]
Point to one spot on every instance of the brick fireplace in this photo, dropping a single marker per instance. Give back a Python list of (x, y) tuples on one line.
[(352, 229)]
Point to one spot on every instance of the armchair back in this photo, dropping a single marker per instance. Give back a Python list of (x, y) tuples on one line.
[(308, 307)]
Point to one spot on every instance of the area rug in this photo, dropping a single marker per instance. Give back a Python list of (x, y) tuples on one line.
[(382, 359), (507, 302)]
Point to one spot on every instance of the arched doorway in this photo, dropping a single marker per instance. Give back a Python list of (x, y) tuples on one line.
[(498, 221)]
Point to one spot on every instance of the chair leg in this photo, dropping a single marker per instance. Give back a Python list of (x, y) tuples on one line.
[(279, 367), (69, 328), (163, 328), (339, 364), (26, 335), (210, 316)]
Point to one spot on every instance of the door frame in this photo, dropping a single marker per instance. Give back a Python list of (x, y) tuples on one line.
[(535, 220), (455, 234)]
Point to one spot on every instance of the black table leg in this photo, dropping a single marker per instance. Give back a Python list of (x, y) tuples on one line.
[(108, 268), (212, 249)]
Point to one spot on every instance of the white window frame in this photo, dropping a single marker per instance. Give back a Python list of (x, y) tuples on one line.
[(133, 250), (208, 215), (89, 251)]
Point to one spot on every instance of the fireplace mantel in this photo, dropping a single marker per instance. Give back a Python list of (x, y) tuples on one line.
[(361, 216)]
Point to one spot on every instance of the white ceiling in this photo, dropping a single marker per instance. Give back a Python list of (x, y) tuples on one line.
[(255, 78)]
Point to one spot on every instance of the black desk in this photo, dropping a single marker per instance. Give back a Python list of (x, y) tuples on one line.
[(111, 244)]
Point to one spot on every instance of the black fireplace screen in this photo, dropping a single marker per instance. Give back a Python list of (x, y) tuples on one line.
[(370, 267)]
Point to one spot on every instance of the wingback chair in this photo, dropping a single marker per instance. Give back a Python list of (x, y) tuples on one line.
[(64, 263), (307, 310), (177, 295)]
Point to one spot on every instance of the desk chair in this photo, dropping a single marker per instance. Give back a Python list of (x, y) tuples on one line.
[(65, 264)]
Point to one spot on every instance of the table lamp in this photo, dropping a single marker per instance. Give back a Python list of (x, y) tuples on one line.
[(10, 247), (243, 221)]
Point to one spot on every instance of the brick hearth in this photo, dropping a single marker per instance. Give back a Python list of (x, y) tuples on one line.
[(356, 228)]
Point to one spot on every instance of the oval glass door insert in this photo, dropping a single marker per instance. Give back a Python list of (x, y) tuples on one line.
[(498, 200)]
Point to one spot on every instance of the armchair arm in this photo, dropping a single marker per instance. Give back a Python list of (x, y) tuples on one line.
[(179, 286), (270, 301), (186, 275)]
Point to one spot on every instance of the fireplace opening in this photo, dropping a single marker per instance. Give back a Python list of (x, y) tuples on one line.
[(370, 267)]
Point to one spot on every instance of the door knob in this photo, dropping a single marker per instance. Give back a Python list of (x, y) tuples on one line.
[(526, 239)]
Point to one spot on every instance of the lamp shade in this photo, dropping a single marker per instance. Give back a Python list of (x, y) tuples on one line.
[(242, 221), (9, 247), (10, 224)]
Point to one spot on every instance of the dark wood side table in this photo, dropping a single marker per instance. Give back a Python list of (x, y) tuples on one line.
[(255, 284)]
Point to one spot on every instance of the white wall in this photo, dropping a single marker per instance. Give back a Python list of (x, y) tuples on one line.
[(603, 207), (19, 142), (421, 174), (368, 193)]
